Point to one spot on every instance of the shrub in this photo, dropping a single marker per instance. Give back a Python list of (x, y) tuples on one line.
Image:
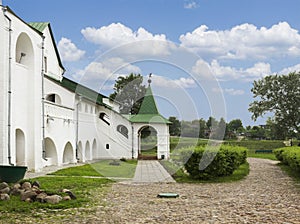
[(223, 161), (289, 156)]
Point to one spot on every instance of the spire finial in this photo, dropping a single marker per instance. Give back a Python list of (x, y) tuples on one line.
[(149, 79)]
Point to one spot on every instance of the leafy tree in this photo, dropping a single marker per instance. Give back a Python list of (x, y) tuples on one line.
[(235, 125), (279, 94), (129, 92), (203, 128), (220, 131), (175, 127)]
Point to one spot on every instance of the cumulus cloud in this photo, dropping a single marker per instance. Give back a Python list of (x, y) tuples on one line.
[(163, 82), (234, 92), (230, 91), (69, 51), (214, 70), (244, 41), (107, 70), (295, 68), (117, 34)]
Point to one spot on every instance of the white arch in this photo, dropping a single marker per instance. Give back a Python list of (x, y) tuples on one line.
[(68, 156), (20, 148), (94, 149), (50, 152), (87, 151), (80, 152), (54, 98), (153, 132), (24, 50)]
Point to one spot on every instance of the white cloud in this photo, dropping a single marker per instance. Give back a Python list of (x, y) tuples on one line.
[(101, 74), (117, 34), (230, 91), (69, 51), (244, 41), (182, 82), (190, 5), (295, 68), (214, 70), (234, 92)]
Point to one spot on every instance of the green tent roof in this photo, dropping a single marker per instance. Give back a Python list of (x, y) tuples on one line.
[(148, 112), (40, 26)]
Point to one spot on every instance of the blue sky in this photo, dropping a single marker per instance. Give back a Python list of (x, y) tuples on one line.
[(204, 54)]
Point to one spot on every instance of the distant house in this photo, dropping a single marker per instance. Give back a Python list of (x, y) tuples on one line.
[(47, 119)]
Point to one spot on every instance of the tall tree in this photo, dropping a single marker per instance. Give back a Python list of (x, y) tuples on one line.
[(279, 94), (235, 125), (175, 126), (129, 91)]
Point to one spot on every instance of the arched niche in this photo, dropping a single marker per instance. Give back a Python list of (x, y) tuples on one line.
[(24, 51)]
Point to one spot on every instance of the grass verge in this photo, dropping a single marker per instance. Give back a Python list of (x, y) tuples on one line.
[(181, 177), (81, 187), (102, 168), (270, 156), (291, 172)]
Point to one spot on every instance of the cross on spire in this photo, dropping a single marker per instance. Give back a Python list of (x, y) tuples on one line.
[(149, 79)]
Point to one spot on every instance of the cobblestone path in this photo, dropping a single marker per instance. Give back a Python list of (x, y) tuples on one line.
[(267, 195)]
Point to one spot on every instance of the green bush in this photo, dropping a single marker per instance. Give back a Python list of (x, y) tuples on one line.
[(224, 161), (289, 156)]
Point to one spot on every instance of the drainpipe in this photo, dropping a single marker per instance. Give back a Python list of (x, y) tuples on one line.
[(9, 88), (132, 138), (43, 101), (77, 126)]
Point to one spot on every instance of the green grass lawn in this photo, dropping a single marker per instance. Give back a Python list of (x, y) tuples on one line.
[(270, 156), (87, 182), (81, 187), (102, 168), (292, 173)]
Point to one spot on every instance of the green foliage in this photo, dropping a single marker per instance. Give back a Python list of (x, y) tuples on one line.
[(181, 177), (223, 161), (129, 92), (289, 156), (279, 94), (174, 127), (253, 145)]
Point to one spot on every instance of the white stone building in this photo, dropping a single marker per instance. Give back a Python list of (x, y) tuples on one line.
[(47, 119)]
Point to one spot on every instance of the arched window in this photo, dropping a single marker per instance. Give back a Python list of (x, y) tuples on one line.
[(54, 98), (104, 117), (123, 130)]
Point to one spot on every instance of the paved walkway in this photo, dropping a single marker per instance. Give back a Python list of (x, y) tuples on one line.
[(151, 171)]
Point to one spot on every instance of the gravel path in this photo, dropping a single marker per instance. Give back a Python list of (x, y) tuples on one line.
[(267, 195)]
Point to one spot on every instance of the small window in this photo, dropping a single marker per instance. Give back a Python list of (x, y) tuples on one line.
[(104, 117), (122, 130), (51, 98), (107, 146), (54, 98)]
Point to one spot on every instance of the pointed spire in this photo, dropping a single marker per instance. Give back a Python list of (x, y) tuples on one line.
[(149, 79), (148, 105)]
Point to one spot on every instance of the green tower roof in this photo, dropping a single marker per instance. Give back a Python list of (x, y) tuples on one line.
[(148, 112), (148, 105)]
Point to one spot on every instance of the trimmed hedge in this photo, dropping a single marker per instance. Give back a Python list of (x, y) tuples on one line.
[(289, 156), (224, 161)]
